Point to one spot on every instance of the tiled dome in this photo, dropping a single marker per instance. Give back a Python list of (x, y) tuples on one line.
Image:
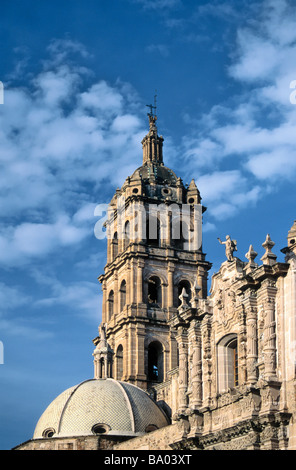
[(162, 173), (100, 406)]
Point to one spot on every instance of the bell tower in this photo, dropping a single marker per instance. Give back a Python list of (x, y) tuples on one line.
[(154, 254)]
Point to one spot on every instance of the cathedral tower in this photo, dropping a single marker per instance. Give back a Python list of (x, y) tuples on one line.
[(154, 254)]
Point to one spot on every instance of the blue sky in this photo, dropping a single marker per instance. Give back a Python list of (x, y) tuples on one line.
[(77, 76)]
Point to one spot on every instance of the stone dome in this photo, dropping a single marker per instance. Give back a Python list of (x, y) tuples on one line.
[(162, 174), (100, 406)]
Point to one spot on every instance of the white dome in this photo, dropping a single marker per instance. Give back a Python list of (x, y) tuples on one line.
[(100, 406)]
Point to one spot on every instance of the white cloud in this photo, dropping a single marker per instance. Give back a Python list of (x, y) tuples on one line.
[(162, 49), (11, 298), (81, 297), (26, 241), (227, 192), (159, 4), (279, 163), (254, 133), (58, 136), (102, 97)]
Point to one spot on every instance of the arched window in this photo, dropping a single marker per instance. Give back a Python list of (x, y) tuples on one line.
[(122, 293), (187, 286), (227, 363), (110, 304), (154, 291), (181, 229), (126, 234), (153, 230), (114, 246), (119, 362), (155, 362), (102, 367)]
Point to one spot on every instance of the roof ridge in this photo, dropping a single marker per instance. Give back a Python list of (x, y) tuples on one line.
[(120, 385), (67, 402)]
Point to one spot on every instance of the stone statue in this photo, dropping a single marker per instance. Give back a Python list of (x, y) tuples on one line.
[(103, 329), (230, 247)]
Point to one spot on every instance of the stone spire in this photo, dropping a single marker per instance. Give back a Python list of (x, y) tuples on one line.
[(152, 143)]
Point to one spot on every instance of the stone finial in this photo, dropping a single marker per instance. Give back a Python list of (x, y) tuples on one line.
[(183, 297), (195, 294), (230, 247), (192, 185), (268, 258), (103, 355), (251, 255)]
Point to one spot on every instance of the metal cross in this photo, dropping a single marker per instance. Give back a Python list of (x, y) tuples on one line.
[(152, 107)]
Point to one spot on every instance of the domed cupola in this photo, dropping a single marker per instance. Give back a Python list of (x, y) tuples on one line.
[(100, 407)]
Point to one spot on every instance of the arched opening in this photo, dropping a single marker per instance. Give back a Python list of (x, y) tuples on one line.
[(100, 428), (127, 234), (187, 286), (119, 362), (48, 433), (155, 362), (102, 367), (122, 293), (114, 246), (227, 362), (110, 304), (151, 428), (181, 228), (153, 230), (154, 291)]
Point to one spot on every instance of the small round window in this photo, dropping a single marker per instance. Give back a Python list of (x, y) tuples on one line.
[(135, 190), (100, 429), (48, 432), (166, 191), (151, 427), (191, 200)]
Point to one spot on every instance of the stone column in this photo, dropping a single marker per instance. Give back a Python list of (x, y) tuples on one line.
[(207, 360), (140, 281), (170, 293), (132, 297), (241, 344), (131, 353), (252, 346), (128, 283), (183, 369), (169, 228), (104, 303), (140, 351), (202, 281), (269, 348), (194, 338)]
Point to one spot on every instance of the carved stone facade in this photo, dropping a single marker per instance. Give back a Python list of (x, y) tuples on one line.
[(220, 364)]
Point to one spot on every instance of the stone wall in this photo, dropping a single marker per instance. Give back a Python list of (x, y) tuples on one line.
[(161, 439), (74, 443)]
